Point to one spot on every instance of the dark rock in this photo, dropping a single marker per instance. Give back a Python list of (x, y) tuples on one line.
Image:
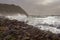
[(17, 30)]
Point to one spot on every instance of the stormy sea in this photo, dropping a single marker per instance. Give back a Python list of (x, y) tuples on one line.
[(47, 23)]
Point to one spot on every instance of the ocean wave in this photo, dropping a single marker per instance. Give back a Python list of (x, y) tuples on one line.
[(49, 23)]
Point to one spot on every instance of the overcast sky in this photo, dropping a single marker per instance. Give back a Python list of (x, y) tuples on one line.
[(37, 7)]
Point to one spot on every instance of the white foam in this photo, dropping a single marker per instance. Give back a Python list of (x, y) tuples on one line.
[(50, 20), (37, 21), (17, 17)]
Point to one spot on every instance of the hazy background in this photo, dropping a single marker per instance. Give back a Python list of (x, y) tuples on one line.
[(37, 7)]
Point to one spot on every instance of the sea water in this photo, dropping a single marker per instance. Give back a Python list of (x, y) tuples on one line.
[(49, 23)]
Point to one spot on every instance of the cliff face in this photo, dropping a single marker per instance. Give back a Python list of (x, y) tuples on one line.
[(17, 30), (6, 9)]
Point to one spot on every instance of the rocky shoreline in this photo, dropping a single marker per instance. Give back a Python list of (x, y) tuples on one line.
[(17, 30)]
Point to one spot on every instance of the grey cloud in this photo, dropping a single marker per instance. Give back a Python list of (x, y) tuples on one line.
[(32, 8)]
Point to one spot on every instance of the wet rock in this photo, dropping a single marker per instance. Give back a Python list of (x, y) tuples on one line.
[(17, 30)]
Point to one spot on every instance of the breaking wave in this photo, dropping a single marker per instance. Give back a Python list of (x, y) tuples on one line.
[(49, 23)]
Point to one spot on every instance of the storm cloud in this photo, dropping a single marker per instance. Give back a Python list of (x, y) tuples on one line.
[(37, 7)]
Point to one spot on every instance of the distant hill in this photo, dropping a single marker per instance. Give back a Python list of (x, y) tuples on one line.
[(11, 9)]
